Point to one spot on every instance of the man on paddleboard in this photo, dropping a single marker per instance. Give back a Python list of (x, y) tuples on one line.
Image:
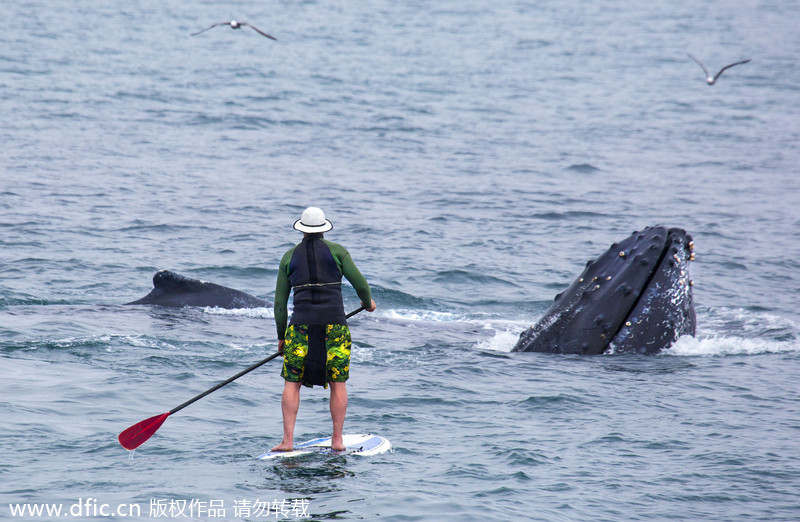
[(316, 343)]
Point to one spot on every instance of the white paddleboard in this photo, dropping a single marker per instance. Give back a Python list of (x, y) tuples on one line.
[(360, 444)]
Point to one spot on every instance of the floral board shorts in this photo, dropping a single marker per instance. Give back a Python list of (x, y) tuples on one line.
[(336, 339)]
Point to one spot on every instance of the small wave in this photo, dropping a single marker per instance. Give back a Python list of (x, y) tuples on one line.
[(466, 277), (533, 43), (583, 168), (575, 215), (141, 226), (383, 294), (555, 402), (30, 301)]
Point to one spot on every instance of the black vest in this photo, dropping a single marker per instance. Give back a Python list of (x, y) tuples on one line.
[(317, 284)]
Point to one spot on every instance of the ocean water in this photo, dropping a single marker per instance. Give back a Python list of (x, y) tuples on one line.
[(472, 156)]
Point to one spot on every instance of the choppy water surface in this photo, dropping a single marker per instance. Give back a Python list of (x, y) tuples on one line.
[(472, 157)]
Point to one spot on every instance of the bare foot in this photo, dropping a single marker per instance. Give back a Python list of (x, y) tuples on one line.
[(337, 445), (283, 447)]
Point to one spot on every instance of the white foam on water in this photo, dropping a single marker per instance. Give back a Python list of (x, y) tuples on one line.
[(736, 331), (504, 334), (501, 341), (255, 313), (424, 315), (723, 345)]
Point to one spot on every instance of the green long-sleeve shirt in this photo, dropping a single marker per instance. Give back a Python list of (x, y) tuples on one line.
[(346, 267)]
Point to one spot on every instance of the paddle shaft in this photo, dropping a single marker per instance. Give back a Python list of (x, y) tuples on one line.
[(354, 312), (243, 372), (223, 383)]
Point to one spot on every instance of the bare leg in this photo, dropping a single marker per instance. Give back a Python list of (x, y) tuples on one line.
[(338, 412), (290, 403)]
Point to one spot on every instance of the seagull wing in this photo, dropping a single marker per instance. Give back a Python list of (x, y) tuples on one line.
[(728, 67), (210, 27), (700, 64), (259, 31)]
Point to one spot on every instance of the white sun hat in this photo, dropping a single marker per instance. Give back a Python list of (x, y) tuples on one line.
[(313, 221)]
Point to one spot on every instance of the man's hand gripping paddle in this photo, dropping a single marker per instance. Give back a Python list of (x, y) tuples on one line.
[(137, 434)]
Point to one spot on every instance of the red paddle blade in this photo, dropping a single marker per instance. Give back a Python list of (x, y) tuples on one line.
[(137, 434)]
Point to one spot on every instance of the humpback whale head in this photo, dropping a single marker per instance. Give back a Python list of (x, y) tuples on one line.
[(636, 297)]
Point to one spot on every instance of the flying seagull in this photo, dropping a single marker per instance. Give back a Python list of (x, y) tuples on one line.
[(709, 79), (237, 25)]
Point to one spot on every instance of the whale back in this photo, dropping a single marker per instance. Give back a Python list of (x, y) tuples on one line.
[(174, 290)]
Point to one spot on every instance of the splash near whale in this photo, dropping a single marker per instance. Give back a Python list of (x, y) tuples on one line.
[(175, 290), (636, 297)]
